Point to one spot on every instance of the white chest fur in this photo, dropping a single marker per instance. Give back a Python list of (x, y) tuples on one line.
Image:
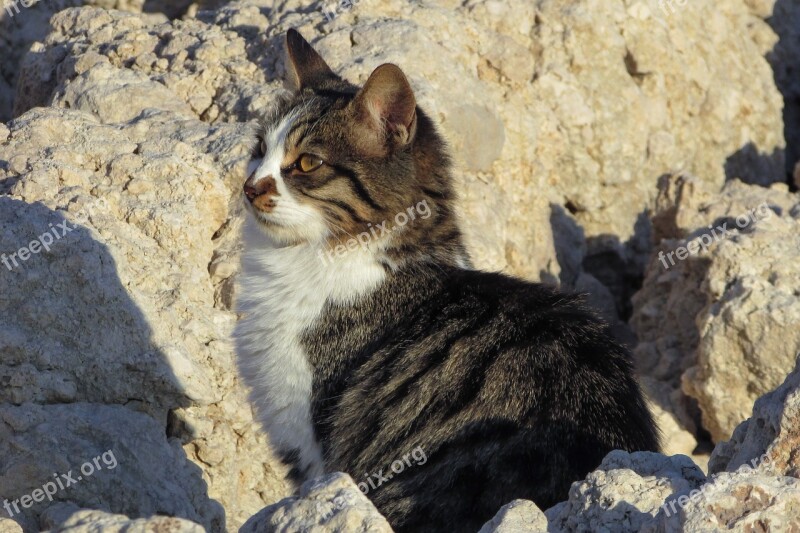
[(281, 293)]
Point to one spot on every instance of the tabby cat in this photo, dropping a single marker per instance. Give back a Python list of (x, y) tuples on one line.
[(366, 334)]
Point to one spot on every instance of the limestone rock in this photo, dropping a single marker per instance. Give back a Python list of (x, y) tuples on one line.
[(734, 502), (719, 326), (624, 493), (528, 118), (784, 57), (519, 515), (83, 452), (22, 27), (561, 114), (330, 504), (9, 526), (68, 518), (118, 308), (771, 436)]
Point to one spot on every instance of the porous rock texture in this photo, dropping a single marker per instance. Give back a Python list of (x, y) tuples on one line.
[(68, 518), (115, 325), (771, 435), (519, 515), (562, 115), (625, 492), (719, 328), (558, 120), (331, 504)]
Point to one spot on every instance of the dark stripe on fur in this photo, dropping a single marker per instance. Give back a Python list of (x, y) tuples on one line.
[(358, 187)]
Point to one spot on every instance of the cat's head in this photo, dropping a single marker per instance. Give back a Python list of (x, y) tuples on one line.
[(334, 162)]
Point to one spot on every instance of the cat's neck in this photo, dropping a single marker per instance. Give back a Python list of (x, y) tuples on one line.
[(308, 274)]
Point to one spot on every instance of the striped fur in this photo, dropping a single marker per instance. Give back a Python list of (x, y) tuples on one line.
[(512, 389)]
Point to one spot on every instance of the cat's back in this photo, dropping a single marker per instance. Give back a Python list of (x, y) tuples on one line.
[(485, 345)]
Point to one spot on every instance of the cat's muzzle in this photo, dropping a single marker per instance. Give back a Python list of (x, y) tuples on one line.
[(261, 192)]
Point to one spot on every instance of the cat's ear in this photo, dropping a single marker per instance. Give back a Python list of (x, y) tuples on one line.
[(385, 110), (307, 68)]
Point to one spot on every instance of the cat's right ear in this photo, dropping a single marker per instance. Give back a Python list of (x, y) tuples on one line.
[(307, 68), (385, 111)]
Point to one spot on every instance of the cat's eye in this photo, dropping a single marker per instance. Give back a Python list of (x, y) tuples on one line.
[(308, 163), (260, 149)]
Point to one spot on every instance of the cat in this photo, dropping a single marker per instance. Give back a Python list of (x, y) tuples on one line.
[(362, 344)]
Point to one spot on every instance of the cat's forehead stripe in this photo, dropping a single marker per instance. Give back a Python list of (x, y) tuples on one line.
[(278, 134)]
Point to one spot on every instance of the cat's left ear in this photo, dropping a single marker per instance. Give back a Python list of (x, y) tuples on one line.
[(308, 69), (385, 110)]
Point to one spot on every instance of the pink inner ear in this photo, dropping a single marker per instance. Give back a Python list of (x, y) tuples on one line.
[(377, 111)]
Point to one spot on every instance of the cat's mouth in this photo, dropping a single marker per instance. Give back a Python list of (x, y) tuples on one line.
[(287, 224), (266, 218)]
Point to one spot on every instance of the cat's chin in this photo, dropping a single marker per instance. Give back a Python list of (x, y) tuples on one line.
[(276, 233)]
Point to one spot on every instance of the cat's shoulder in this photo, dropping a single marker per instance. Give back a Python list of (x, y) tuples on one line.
[(525, 302)]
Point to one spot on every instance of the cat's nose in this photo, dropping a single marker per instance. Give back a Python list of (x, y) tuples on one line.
[(253, 188)]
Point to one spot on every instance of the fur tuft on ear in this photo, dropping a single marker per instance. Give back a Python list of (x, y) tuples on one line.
[(308, 69), (386, 107)]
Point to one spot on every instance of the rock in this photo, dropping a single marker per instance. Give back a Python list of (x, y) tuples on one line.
[(9, 526), (544, 117), (734, 501), (80, 452), (784, 18), (519, 515), (120, 309), (561, 115), (22, 27), (88, 521), (624, 493), (332, 503), (770, 437), (675, 438), (720, 326)]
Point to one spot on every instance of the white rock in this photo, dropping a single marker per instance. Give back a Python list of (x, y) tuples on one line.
[(519, 515), (770, 439), (331, 504), (89, 521), (624, 493), (120, 310), (720, 326), (90, 453), (9, 526), (734, 502)]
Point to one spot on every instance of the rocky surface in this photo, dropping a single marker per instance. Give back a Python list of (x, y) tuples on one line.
[(527, 105), (628, 493), (771, 435), (784, 18), (519, 515), (562, 116), (625, 492), (135, 207), (97, 460), (718, 328), (734, 502), (332, 504), (68, 518)]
